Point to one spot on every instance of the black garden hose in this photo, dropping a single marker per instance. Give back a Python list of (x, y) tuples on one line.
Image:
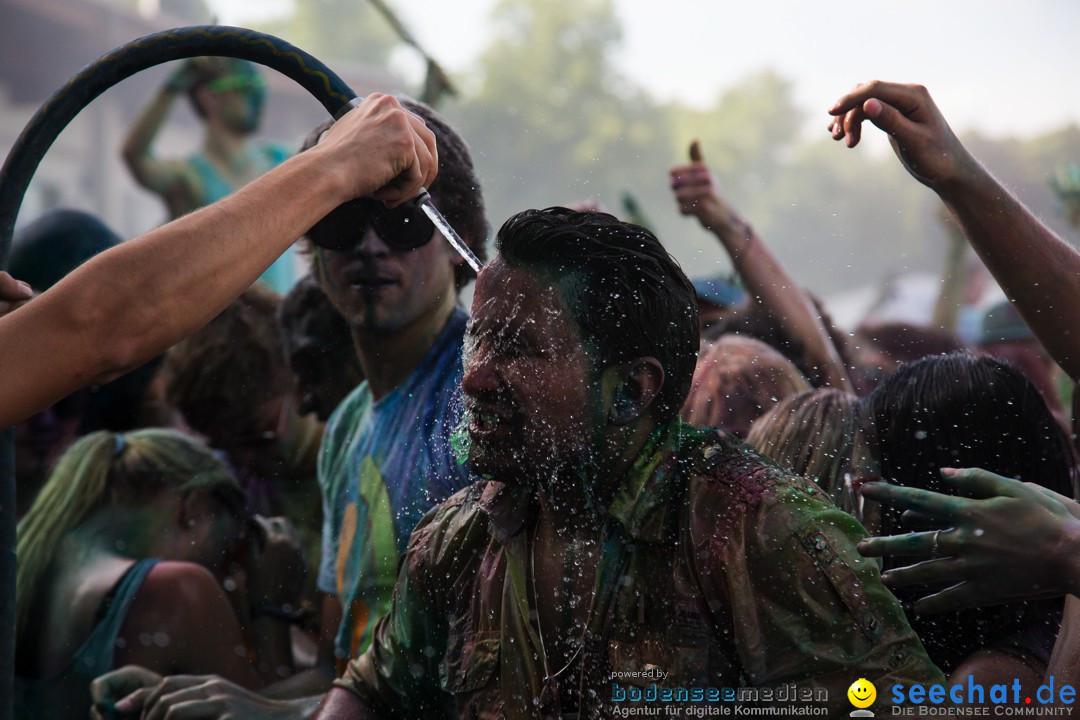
[(22, 162)]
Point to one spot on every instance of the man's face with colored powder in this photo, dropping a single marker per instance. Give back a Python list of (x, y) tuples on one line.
[(529, 384)]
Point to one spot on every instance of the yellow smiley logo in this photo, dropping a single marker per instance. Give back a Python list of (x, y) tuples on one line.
[(862, 693)]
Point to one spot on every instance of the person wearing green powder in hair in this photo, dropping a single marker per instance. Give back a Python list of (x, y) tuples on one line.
[(228, 95), (613, 560)]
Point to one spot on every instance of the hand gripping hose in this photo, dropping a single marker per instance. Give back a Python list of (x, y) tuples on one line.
[(23, 159)]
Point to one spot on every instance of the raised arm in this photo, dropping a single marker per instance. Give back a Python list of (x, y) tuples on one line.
[(764, 276), (1039, 271), (953, 278), (133, 301), (169, 178)]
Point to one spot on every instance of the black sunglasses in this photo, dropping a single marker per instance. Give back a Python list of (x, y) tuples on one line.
[(402, 228)]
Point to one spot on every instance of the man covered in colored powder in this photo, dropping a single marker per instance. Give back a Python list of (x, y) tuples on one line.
[(610, 548), (387, 455), (228, 96)]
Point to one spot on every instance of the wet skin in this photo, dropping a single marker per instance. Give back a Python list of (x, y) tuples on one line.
[(529, 385), (381, 291)]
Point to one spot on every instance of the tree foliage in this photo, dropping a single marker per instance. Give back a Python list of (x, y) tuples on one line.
[(342, 29), (551, 121)]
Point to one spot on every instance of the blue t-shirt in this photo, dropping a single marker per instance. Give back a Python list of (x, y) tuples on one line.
[(382, 466)]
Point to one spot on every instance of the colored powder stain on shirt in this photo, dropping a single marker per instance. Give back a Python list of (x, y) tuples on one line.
[(383, 465), (717, 568)]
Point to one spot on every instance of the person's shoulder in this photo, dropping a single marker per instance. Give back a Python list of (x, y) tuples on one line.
[(719, 464), (450, 532), (344, 423), (176, 593), (346, 417), (731, 484), (348, 410), (179, 581)]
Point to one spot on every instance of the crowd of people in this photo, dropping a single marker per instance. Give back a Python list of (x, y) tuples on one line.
[(361, 500)]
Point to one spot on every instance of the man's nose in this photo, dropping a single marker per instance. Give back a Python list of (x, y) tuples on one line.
[(371, 243), (480, 375)]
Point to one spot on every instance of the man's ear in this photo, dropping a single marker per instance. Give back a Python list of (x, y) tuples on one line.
[(630, 388)]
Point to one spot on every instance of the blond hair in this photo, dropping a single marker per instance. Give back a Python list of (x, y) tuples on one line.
[(812, 434), (105, 468)]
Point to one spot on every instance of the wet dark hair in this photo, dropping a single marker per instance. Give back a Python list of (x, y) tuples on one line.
[(628, 296), (456, 190), (961, 410)]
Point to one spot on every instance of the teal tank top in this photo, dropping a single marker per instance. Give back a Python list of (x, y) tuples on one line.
[(282, 275), (67, 694)]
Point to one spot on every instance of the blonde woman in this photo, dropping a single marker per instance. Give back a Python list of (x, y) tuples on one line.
[(118, 563), (813, 434), (736, 381)]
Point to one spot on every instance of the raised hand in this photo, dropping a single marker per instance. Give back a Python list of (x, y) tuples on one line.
[(696, 193), (919, 135), (381, 149)]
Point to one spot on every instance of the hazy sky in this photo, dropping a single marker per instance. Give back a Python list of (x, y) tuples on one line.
[(1001, 67)]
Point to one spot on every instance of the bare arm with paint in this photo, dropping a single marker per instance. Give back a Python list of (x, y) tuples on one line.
[(1039, 271), (1006, 541), (768, 282), (172, 179), (133, 301)]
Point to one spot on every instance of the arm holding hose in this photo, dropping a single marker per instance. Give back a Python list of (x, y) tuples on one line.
[(135, 300)]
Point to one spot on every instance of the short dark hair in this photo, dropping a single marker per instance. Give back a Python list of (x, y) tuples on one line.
[(964, 410), (219, 376), (456, 190), (628, 296)]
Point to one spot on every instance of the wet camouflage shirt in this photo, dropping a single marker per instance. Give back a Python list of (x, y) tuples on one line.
[(719, 570)]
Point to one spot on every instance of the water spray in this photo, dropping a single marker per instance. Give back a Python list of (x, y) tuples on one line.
[(423, 201)]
